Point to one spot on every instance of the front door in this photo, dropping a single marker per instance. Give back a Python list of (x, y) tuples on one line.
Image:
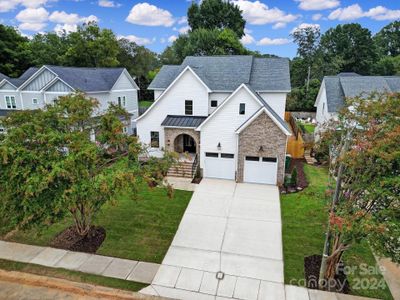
[(189, 144)]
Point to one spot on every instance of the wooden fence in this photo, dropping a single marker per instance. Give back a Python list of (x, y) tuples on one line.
[(295, 145)]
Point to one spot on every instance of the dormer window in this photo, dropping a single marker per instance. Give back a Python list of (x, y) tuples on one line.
[(189, 107), (242, 108)]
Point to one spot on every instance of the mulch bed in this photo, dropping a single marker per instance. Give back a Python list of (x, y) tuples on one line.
[(312, 266), (301, 176), (197, 180), (69, 239)]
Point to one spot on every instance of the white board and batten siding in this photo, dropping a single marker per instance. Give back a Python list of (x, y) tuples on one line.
[(216, 96), (277, 101), (220, 129), (39, 81), (188, 87)]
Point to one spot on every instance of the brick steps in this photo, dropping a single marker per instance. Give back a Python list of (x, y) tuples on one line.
[(183, 169)]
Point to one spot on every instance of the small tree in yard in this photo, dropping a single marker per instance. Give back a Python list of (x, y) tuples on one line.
[(366, 201), (50, 168)]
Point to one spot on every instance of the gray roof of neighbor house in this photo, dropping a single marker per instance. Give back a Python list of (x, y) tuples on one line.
[(83, 79), (226, 73), (2, 76), (5, 112), (183, 121), (347, 86)]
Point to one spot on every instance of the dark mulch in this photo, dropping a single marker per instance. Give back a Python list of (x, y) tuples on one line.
[(301, 176), (69, 239), (312, 265)]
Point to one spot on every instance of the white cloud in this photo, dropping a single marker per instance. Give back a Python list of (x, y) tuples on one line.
[(318, 4), (316, 17), (138, 40), (279, 25), (247, 39), (272, 42), (182, 20), (9, 5), (172, 38), (32, 15), (355, 11), (60, 28), (108, 3), (91, 18), (305, 25), (258, 13), (150, 15), (182, 30), (32, 26), (63, 17)]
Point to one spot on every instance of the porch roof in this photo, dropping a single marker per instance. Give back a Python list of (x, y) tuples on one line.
[(183, 121)]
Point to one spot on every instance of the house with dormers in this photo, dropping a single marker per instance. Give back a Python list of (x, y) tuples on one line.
[(224, 114), (40, 86)]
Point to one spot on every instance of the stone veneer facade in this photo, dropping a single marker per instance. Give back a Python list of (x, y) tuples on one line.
[(262, 132), (171, 134)]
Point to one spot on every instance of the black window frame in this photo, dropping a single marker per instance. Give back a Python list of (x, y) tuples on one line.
[(214, 102), (252, 158), (212, 154), (269, 159), (154, 140), (242, 108), (189, 107), (227, 155)]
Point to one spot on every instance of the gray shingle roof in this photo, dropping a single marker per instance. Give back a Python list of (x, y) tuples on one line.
[(2, 76), (226, 73), (88, 79), (183, 121), (28, 73), (340, 87)]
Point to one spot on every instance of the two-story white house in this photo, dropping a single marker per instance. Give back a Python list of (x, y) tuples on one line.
[(226, 111), (40, 86)]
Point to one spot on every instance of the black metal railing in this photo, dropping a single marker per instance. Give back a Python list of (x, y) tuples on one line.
[(194, 166)]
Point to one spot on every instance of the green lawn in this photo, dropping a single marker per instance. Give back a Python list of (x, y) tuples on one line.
[(139, 230), (145, 103), (304, 217), (71, 275), (306, 127)]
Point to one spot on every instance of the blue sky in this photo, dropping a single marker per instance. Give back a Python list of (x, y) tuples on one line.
[(156, 23)]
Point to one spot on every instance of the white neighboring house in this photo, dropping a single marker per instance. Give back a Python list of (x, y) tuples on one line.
[(40, 86), (335, 89), (226, 111)]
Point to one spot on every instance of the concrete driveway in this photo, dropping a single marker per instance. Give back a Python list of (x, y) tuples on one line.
[(228, 227)]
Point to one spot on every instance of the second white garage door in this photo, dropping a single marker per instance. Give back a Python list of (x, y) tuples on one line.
[(260, 169), (219, 165)]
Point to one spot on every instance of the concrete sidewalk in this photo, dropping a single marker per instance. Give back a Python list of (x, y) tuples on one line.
[(78, 261)]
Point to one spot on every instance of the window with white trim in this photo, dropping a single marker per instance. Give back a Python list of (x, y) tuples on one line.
[(242, 108), (154, 139), (10, 102), (189, 107), (122, 101), (34, 101)]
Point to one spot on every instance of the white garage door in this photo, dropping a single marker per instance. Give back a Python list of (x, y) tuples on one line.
[(219, 165), (260, 169)]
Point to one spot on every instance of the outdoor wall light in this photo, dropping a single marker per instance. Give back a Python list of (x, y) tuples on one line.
[(219, 146)]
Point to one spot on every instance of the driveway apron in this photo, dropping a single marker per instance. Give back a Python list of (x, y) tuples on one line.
[(232, 231)]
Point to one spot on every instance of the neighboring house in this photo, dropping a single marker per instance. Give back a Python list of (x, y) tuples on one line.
[(40, 86), (227, 111), (335, 89)]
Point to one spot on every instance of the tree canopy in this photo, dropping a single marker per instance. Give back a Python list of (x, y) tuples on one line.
[(388, 39), (216, 14)]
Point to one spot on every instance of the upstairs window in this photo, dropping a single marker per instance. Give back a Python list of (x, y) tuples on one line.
[(10, 102), (214, 103), (154, 139), (122, 101), (242, 108), (189, 107)]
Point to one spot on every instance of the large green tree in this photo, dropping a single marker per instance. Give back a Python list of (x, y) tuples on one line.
[(91, 46), (15, 56), (365, 158), (352, 45), (388, 39), (201, 42), (49, 48), (49, 167), (216, 14)]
